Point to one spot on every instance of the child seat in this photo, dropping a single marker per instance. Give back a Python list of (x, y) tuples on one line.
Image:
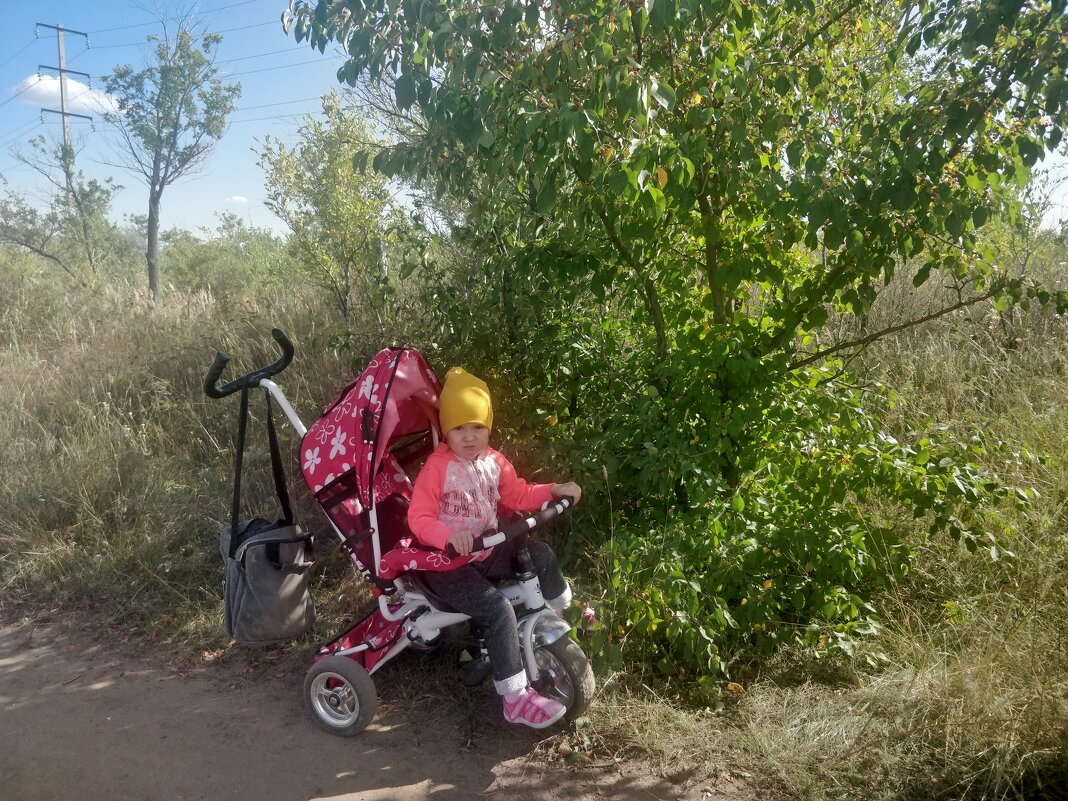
[(354, 458)]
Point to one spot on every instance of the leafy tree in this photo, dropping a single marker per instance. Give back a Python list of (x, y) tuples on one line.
[(72, 231), (233, 260), (335, 212), (708, 137), (171, 114), (698, 185)]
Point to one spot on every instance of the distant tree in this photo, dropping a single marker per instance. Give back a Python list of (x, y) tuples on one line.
[(171, 114), (334, 210), (71, 228), (232, 260)]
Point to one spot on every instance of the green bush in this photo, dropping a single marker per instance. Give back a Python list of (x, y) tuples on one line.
[(739, 494)]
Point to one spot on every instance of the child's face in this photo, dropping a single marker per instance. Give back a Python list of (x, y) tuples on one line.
[(468, 441)]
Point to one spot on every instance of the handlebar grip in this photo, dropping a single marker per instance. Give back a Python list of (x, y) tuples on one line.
[(211, 378), (287, 351), (489, 538)]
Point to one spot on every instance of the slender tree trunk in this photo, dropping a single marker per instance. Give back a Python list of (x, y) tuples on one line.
[(720, 311), (152, 254)]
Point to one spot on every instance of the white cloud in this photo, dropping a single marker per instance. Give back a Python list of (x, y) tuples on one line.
[(44, 90), (238, 199)]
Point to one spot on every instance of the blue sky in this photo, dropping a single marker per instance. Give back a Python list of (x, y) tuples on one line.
[(280, 80)]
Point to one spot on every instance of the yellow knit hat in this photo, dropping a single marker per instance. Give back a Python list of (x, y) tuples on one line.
[(464, 399)]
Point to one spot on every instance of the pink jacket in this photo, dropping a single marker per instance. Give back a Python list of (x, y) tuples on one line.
[(452, 494)]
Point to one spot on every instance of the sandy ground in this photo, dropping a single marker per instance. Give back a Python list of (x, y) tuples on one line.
[(84, 720)]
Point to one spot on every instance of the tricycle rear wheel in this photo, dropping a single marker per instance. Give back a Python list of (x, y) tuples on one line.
[(340, 696)]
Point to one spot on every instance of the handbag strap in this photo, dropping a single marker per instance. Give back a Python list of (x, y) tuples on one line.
[(277, 469), (235, 508), (280, 487)]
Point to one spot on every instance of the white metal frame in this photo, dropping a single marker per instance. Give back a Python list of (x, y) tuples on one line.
[(541, 626)]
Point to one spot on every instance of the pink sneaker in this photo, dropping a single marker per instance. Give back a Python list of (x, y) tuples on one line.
[(531, 709)]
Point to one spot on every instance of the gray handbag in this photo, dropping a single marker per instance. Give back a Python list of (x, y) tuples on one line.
[(265, 585)]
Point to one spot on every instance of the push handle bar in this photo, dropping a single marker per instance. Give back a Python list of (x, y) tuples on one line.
[(487, 539), (211, 378)]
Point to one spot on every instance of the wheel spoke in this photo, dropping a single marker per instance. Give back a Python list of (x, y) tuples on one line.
[(340, 695), (559, 684), (345, 705)]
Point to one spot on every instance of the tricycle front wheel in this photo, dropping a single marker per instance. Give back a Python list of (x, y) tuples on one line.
[(566, 675)]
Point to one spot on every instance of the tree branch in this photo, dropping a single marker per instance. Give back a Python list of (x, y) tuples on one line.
[(652, 300), (899, 327)]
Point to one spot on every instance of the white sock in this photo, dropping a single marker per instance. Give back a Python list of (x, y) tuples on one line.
[(562, 600), (511, 685)]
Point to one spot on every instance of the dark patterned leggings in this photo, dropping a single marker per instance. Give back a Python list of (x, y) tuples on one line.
[(471, 589)]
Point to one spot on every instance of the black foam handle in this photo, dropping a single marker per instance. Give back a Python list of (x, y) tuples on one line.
[(252, 379)]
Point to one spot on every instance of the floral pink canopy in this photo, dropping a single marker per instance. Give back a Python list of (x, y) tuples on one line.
[(345, 450), (354, 458)]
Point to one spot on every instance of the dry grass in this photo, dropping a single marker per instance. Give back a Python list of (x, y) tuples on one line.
[(117, 467), (116, 479)]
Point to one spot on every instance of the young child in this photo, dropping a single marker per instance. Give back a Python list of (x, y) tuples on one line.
[(455, 498)]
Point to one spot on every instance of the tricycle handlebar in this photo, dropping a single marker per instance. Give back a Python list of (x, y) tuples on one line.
[(487, 539), (211, 378)]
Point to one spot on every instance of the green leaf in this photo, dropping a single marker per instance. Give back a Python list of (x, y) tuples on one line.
[(955, 223), (404, 90), (815, 76), (547, 197), (663, 94), (1029, 151), (903, 195), (793, 153), (658, 198), (618, 181)]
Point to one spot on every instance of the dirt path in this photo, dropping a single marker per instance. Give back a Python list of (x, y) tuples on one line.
[(86, 721)]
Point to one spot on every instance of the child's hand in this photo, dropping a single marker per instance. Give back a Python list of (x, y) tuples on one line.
[(569, 490), (462, 542)]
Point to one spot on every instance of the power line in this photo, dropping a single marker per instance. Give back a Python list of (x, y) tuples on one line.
[(246, 27), (88, 90), (143, 41), (270, 117), (279, 67), (226, 7), (22, 131), (26, 89), (281, 103), (17, 128), (245, 72), (20, 51), (262, 55)]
